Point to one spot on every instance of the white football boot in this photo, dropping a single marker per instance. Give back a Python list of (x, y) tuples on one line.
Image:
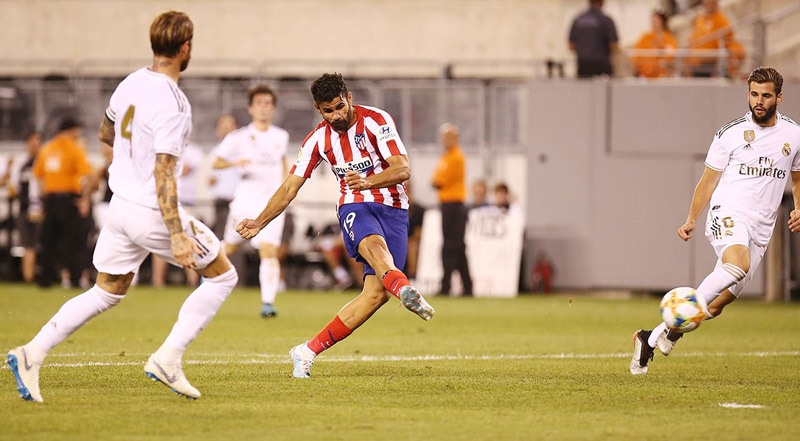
[(302, 359), (26, 374), (171, 374), (414, 302)]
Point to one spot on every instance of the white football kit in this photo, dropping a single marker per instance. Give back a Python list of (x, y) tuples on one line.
[(151, 115), (756, 163), (260, 178)]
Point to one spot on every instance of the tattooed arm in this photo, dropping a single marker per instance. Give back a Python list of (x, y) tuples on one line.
[(167, 191), (106, 132)]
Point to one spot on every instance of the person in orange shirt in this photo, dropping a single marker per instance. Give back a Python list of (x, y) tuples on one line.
[(713, 22), (60, 167), (448, 179), (658, 38)]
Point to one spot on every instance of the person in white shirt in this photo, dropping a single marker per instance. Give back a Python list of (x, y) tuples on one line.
[(223, 182), (257, 151), (747, 167), (147, 122)]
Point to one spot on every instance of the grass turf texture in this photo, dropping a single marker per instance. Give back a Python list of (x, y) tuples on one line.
[(530, 368)]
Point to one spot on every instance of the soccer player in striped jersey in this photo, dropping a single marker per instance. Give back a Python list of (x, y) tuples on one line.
[(747, 166), (363, 149)]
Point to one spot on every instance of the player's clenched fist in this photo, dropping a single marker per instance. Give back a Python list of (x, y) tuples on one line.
[(794, 221), (355, 181), (685, 231), (248, 228)]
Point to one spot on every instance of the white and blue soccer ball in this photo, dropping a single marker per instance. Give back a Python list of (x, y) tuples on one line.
[(682, 309)]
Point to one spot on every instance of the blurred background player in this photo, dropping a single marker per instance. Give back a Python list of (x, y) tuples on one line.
[(747, 167), (61, 168), (449, 181), (364, 150), (148, 122), (258, 150), (25, 190)]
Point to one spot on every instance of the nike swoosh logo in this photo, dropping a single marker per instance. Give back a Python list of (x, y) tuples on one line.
[(327, 151), (169, 378), (25, 360)]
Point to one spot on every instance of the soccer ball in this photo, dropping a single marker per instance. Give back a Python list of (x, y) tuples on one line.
[(682, 309)]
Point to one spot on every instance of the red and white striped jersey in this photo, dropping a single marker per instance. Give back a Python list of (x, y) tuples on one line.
[(369, 142)]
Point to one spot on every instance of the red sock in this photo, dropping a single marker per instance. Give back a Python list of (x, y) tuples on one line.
[(393, 280), (334, 332)]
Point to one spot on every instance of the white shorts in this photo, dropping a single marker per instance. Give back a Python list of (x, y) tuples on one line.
[(724, 229), (133, 231), (271, 234)]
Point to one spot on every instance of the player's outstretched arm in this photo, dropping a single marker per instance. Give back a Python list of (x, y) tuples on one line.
[(397, 172), (702, 194), (283, 196), (794, 216), (220, 163), (167, 191)]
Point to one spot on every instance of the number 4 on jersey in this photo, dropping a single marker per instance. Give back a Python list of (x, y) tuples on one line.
[(125, 129)]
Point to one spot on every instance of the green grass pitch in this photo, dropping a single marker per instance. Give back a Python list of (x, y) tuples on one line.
[(536, 367)]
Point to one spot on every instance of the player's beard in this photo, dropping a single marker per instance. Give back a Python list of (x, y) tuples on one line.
[(185, 64), (343, 124), (769, 112)]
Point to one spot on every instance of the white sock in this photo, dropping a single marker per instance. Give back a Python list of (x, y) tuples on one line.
[(74, 314), (199, 308), (340, 274), (722, 278), (658, 330), (269, 277)]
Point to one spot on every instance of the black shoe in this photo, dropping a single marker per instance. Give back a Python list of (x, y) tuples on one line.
[(642, 352)]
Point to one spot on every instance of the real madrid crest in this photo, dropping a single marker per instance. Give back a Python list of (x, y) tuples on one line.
[(787, 150), (749, 135)]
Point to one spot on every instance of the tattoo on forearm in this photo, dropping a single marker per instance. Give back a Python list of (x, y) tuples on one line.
[(167, 191), (106, 133)]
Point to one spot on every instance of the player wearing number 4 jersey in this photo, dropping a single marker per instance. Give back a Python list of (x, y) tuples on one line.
[(363, 148), (747, 167), (147, 122)]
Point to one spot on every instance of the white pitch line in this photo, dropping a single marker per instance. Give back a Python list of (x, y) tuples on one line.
[(741, 406), (284, 359)]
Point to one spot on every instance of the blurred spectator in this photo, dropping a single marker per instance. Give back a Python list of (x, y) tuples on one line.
[(223, 181), (593, 38), (60, 168), (710, 28), (659, 37), (504, 201), (25, 190), (415, 216), (479, 193), (331, 245), (448, 179)]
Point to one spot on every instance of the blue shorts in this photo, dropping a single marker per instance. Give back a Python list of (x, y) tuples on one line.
[(362, 219)]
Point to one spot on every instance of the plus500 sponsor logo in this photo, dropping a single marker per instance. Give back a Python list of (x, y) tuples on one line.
[(363, 165)]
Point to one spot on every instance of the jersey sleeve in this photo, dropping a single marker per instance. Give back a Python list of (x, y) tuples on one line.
[(309, 157), (227, 148), (389, 142), (170, 132), (111, 110), (718, 155)]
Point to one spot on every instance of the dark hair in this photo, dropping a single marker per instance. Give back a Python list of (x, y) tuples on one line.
[(501, 187), (68, 123), (258, 89), (327, 87), (168, 33), (763, 75)]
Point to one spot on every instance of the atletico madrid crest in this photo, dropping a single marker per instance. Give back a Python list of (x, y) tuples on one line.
[(749, 135), (361, 141)]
